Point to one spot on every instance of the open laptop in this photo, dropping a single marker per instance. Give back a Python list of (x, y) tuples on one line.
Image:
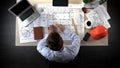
[(25, 11)]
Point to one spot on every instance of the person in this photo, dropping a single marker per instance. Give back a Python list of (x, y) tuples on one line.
[(52, 46)]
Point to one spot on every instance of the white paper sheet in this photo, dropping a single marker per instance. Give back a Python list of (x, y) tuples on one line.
[(99, 16), (62, 15), (25, 33), (52, 15)]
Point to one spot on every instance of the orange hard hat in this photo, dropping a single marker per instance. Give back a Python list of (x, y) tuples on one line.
[(98, 32)]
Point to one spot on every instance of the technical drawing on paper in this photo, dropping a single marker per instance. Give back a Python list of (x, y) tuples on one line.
[(62, 15), (52, 15), (26, 34)]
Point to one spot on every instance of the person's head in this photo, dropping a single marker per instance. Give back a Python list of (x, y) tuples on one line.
[(55, 41)]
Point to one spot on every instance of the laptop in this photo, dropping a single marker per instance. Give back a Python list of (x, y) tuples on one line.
[(25, 11)]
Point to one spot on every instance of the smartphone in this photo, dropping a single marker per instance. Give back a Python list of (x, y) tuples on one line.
[(86, 37)]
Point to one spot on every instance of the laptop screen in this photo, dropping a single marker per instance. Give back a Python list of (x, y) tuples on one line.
[(19, 7)]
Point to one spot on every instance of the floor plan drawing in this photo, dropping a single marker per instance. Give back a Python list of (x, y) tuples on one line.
[(50, 15), (62, 15)]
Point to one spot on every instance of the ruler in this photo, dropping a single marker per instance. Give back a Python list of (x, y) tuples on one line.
[(73, 24)]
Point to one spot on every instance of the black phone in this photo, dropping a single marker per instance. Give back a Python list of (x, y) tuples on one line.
[(60, 2), (86, 37)]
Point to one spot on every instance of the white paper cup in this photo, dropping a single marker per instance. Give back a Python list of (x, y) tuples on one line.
[(88, 24)]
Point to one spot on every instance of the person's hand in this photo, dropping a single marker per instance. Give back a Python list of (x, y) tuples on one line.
[(60, 27), (52, 28), (85, 10)]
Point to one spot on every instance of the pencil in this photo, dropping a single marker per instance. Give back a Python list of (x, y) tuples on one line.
[(73, 23)]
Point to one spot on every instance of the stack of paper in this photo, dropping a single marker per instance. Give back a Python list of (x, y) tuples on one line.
[(99, 16)]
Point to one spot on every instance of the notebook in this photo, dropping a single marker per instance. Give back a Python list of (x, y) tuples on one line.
[(38, 33)]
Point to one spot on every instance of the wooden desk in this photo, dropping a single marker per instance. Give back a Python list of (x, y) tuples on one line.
[(91, 42)]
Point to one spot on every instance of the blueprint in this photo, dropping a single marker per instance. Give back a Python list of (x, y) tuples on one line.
[(50, 15), (62, 15)]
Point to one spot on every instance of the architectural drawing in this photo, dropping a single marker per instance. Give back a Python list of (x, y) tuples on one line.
[(62, 15), (25, 33), (51, 15)]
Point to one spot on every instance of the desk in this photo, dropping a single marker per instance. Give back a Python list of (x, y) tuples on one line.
[(90, 42)]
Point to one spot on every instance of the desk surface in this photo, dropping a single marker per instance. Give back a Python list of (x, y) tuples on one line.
[(90, 42)]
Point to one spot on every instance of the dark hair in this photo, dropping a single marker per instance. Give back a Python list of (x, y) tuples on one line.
[(54, 41)]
